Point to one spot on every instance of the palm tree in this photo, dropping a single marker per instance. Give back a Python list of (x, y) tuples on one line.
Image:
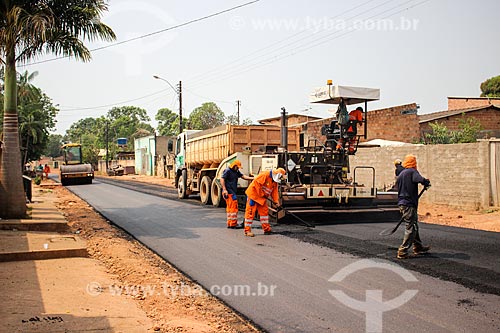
[(33, 129), (25, 89), (29, 28)]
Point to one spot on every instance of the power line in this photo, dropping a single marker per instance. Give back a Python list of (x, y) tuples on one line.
[(304, 47), (304, 38), (208, 98), (114, 104), (273, 45), (279, 56), (151, 33)]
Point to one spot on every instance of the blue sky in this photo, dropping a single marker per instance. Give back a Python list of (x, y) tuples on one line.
[(273, 53)]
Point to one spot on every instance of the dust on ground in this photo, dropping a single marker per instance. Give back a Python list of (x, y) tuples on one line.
[(488, 220), (170, 299)]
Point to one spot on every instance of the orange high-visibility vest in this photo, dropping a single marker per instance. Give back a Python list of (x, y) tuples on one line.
[(262, 187)]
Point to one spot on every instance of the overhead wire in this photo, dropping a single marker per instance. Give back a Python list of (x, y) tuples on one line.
[(273, 44), (112, 104), (148, 34), (304, 47)]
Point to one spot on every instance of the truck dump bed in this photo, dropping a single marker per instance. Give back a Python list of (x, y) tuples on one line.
[(206, 149)]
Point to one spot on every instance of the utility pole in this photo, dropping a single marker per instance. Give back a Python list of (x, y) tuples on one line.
[(238, 103), (107, 139), (180, 107)]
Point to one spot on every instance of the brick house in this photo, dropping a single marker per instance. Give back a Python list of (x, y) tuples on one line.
[(293, 119), (455, 103), (402, 123), (398, 123), (488, 116)]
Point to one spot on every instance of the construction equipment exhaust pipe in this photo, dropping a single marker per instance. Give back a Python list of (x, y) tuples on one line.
[(284, 129)]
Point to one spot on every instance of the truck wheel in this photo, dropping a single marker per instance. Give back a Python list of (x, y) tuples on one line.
[(217, 199), (182, 185), (205, 189)]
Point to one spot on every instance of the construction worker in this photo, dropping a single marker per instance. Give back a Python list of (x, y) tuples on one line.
[(407, 184), (355, 119), (265, 185), (229, 183), (46, 170), (398, 164)]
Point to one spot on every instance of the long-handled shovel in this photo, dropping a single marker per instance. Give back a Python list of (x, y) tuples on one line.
[(390, 231), (307, 224)]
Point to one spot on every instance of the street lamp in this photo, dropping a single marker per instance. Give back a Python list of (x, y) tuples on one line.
[(179, 93)]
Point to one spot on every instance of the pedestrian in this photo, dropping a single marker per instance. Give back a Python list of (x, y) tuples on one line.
[(229, 183), (398, 164), (39, 171), (407, 183), (265, 185), (46, 170)]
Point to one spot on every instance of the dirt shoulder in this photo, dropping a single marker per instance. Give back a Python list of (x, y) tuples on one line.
[(171, 300), (488, 220)]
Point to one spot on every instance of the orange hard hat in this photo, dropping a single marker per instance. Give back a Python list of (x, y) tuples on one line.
[(235, 163), (280, 170)]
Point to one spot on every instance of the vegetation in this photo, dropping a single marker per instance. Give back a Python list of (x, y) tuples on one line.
[(233, 120), (54, 143), (36, 117), (29, 28), (491, 87), (121, 122), (469, 130), (206, 116)]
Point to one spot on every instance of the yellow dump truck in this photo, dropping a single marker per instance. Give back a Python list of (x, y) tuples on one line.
[(199, 155), (73, 170)]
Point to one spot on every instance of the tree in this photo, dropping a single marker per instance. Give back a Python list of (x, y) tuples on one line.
[(122, 122), (491, 87), (233, 120), (29, 28), (34, 130), (36, 116), (469, 129), (90, 132), (128, 122), (206, 116), (54, 143), (439, 134), (168, 122)]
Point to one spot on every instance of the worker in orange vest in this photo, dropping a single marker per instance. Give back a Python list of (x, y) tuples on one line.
[(229, 183), (265, 185), (46, 171), (355, 119)]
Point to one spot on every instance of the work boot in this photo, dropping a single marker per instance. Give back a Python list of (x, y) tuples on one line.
[(267, 228), (420, 249), (239, 226), (248, 232), (403, 255)]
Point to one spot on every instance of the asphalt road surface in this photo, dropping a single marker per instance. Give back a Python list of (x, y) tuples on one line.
[(289, 283)]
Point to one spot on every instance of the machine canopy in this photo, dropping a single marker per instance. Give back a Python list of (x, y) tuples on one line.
[(331, 94)]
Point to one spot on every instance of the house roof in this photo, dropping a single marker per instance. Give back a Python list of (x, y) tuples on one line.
[(424, 118)]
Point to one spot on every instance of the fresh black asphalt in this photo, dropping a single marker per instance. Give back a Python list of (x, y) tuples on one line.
[(194, 238)]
